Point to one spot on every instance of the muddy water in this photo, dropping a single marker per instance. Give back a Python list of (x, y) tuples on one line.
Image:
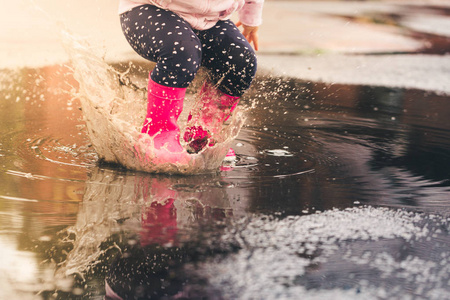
[(337, 190)]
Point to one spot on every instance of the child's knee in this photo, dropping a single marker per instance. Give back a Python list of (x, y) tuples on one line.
[(243, 65), (178, 62)]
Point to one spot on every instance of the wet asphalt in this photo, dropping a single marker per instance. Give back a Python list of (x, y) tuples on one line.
[(386, 43)]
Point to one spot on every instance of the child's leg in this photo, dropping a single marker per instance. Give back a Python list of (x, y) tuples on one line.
[(163, 37), (232, 65), (229, 57)]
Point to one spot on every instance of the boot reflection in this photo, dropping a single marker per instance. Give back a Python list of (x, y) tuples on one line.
[(158, 216), (173, 212)]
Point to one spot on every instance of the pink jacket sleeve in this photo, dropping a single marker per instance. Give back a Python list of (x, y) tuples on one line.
[(251, 12)]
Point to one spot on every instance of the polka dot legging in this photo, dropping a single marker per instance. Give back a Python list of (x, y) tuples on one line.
[(178, 50)]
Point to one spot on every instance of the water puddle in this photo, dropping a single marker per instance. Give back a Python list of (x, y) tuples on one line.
[(337, 190)]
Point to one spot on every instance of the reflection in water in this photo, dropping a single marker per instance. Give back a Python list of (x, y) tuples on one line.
[(146, 223), (306, 147)]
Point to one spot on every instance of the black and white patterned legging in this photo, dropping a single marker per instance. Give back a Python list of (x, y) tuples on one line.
[(178, 50)]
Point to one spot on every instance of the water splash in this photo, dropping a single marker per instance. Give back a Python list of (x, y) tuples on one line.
[(114, 112)]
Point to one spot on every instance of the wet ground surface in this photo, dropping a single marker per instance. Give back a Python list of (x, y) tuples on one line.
[(338, 190)]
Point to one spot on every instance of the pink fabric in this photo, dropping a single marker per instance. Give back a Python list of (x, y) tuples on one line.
[(251, 13), (204, 14)]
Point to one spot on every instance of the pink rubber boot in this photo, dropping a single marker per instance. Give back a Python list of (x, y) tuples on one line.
[(163, 109), (208, 116)]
